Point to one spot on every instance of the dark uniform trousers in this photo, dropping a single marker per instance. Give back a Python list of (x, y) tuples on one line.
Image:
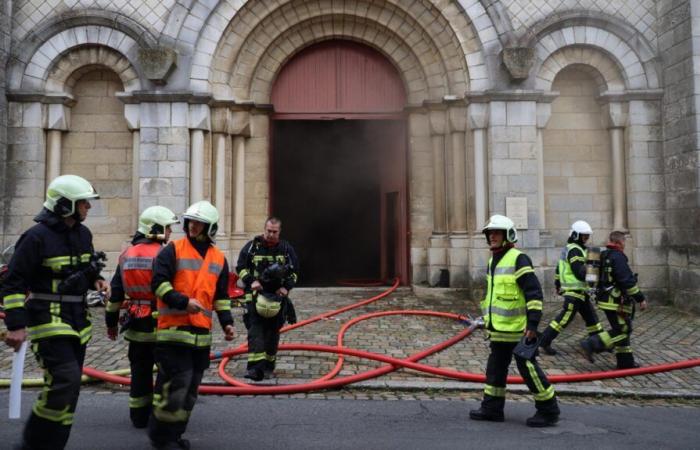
[(572, 305), (497, 373), (141, 360), (180, 372), (618, 338), (51, 419), (263, 338)]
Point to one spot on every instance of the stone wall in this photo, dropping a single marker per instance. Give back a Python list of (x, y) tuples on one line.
[(678, 24), (4, 52)]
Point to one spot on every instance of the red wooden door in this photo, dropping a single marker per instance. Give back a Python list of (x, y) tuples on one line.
[(345, 80)]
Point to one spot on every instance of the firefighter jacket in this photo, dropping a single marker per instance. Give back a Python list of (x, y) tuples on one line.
[(513, 301), (132, 282), (617, 282), (186, 269), (45, 255), (256, 256), (570, 274)]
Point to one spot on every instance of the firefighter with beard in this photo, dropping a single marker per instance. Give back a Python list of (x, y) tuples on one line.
[(570, 281), (55, 261), (617, 295), (512, 310), (190, 281), (268, 267), (132, 282)]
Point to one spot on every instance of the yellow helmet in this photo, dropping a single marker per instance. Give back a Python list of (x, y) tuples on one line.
[(64, 191), (204, 212), (154, 220), (266, 306)]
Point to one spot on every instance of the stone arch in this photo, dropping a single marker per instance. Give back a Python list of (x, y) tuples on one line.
[(619, 41), (226, 26), (79, 27), (66, 70), (603, 69), (37, 70)]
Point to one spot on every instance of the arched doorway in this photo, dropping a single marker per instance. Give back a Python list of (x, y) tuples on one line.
[(338, 163)]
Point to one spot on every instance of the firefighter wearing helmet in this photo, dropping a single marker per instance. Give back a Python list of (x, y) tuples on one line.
[(190, 281), (55, 261), (131, 285), (512, 309), (618, 293), (268, 267), (570, 282)]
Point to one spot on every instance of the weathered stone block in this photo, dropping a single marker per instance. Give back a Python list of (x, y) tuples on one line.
[(157, 63)]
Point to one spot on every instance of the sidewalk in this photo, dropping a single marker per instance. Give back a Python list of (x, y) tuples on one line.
[(662, 335)]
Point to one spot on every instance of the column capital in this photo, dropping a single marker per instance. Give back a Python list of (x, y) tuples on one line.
[(458, 117), (199, 117), (615, 114), (57, 117), (478, 115), (132, 114), (220, 118), (240, 123), (438, 121), (544, 113)]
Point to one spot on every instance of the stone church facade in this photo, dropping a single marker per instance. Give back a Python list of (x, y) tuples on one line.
[(549, 111)]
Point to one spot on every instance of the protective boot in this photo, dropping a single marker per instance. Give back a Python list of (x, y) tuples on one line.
[(592, 344), (490, 416), (546, 339), (626, 361), (540, 420), (255, 374), (268, 370)]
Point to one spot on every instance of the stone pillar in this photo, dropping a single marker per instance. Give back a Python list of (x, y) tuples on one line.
[(544, 112), (219, 162), (199, 122), (135, 175), (58, 121), (240, 128), (616, 120), (53, 154), (458, 253), (437, 251), (478, 117)]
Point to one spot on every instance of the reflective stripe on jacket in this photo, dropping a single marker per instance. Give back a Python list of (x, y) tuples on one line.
[(195, 277), (567, 279), (504, 307)]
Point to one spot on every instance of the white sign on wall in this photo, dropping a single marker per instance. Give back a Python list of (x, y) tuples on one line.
[(516, 209)]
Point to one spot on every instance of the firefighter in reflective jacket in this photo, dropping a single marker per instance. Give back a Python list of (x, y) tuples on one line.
[(512, 310), (132, 280), (190, 281), (268, 267), (54, 261), (617, 294), (570, 281)]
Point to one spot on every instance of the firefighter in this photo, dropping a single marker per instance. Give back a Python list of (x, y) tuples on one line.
[(55, 262), (617, 294), (268, 267), (190, 281), (570, 282), (132, 280), (512, 310)]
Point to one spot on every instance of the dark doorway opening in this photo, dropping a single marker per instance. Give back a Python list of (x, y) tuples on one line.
[(327, 189)]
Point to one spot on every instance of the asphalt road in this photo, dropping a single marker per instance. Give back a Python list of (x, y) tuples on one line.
[(290, 423)]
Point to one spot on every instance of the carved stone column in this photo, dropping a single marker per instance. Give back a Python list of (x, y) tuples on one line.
[(615, 120)]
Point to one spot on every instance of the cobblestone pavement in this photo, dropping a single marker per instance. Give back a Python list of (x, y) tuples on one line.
[(662, 335)]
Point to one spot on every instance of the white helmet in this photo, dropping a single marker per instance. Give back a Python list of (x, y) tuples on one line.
[(499, 222), (580, 227), (154, 220), (64, 191), (204, 212)]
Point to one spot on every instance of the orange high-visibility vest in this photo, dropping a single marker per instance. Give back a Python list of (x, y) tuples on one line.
[(195, 277), (136, 267)]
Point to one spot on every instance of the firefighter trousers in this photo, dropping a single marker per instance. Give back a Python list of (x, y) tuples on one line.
[(180, 372), (572, 305), (617, 338), (497, 373), (141, 361), (263, 339), (51, 418)]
